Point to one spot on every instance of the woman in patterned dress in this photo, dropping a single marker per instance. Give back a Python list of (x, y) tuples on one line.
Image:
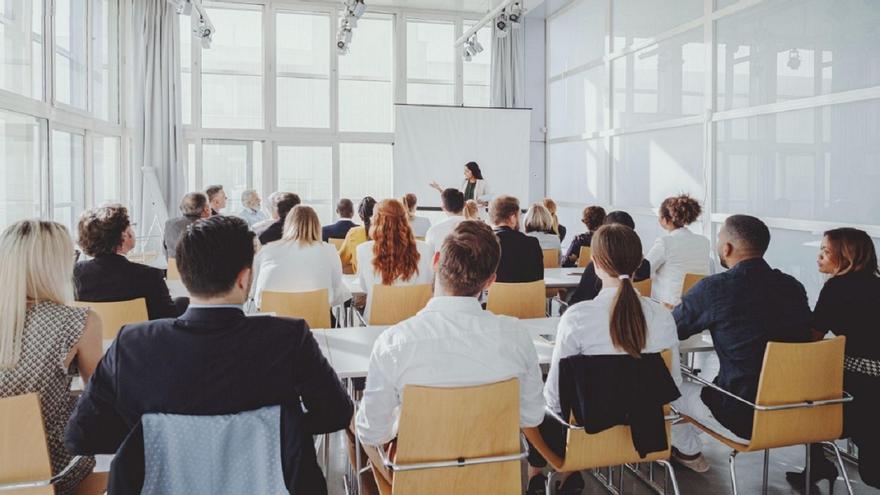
[(42, 341)]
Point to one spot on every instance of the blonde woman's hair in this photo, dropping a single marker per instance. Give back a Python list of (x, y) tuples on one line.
[(538, 219), (302, 225), (471, 210), (36, 264), (551, 207)]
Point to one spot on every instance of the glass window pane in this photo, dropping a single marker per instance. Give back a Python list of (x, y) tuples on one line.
[(366, 106), (577, 103), (577, 36), (576, 171), (232, 70), (20, 163), (186, 39), (431, 94), (106, 170), (21, 38), (430, 57), (308, 172), (226, 163), (365, 170), (476, 72), (303, 61), (634, 21), (476, 96), (70, 52), (365, 74), (303, 102), (105, 42), (68, 172)]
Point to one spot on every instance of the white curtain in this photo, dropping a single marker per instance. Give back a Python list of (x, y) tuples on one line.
[(157, 172), (508, 59)]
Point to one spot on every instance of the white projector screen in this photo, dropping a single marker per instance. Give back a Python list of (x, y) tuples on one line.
[(432, 143)]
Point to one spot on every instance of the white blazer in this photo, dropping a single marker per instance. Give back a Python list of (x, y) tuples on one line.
[(672, 256), (368, 276), (481, 190)]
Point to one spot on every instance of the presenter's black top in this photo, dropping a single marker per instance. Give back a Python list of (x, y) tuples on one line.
[(850, 305), (469, 190), (522, 259)]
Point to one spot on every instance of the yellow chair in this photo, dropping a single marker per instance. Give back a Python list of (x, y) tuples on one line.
[(795, 404), (312, 306), (690, 280), (337, 243), (584, 257), (551, 258), (25, 465), (457, 440), (172, 273), (116, 314), (520, 300), (644, 287), (390, 304)]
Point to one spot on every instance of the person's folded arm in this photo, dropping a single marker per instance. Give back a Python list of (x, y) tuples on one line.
[(377, 412), (531, 386), (693, 315), (328, 407)]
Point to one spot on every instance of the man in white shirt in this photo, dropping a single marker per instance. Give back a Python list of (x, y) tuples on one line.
[(452, 202), (452, 342)]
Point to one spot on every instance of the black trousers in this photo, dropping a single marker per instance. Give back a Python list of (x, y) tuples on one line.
[(860, 423), (554, 435)]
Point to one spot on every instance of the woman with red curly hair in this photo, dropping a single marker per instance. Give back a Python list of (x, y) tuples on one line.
[(393, 256)]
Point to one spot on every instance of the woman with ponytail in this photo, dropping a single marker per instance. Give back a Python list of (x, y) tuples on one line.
[(617, 321)]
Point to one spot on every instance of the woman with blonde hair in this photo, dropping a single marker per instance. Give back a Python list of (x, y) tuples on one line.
[(420, 225), (471, 210), (393, 256), (558, 228), (300, 261), (539, 224), (41, 340)]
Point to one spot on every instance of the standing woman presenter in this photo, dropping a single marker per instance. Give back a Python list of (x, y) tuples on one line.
[(474, 186)]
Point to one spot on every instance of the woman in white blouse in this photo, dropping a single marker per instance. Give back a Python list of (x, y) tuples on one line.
[(679, 252), (617, 321), (538, 223), (300, 262), (420, 225), (394, 256)]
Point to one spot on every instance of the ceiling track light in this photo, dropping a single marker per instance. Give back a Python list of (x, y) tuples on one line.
[(354, 10)]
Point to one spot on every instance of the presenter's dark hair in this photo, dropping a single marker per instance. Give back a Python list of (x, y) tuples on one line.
[(475, 170), (212, 252), (452, 200)]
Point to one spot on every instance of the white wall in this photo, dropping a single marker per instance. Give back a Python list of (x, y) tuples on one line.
[(534, 86), (769, 108)]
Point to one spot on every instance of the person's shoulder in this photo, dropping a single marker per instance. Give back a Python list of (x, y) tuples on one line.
[(145, 270), (783, 278), (280, 327)]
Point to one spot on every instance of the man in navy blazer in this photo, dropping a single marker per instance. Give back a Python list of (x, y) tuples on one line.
[(338, 230), (213, 360)]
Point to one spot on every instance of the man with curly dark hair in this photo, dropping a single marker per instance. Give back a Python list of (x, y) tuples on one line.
[(105, 233)]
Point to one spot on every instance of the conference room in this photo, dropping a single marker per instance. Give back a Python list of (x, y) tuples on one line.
[(439, 246)]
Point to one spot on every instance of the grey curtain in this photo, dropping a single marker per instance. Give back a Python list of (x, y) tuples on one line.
[(508, 58)]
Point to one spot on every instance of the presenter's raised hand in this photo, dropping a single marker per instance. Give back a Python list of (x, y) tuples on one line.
[(436, 186)]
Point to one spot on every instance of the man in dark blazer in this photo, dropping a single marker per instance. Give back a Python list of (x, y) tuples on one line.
[(193, 206), (338, 230), (213, 360), (522, 259), (283, 207), (106, 234)]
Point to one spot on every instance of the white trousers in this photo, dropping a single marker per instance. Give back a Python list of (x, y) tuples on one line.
[(685, 436)]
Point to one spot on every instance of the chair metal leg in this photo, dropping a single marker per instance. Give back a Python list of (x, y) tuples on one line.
[(551, 482), (842, 467), (732, 461), (766, 471), (807, 481), (670, 475)]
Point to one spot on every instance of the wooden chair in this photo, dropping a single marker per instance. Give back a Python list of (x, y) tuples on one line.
[(608, 448), (690, 280), (522, 300), (795, 404), (25, 465), (312, 306), (172, 273), (551, 258), (144, 257), (116, 314), (457, 440), (644, 287), (584, 257), (392, 304)]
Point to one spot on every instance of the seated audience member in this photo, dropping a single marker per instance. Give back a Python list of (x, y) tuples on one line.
[(420, 225), (193, 206), (558, 228), (521, 257), (593, 218), (213, 360), (452, 342), (105, 233), (216, 198), (679, 252), (590, 284), (744, 307), (300, 262), (471, 210), (538, 223), (41, 339), (394, 256), (286, 202), (451, 202), (849, 304), (251, 212), (357, 235), (261, 226), (339, 229), (617, 321)]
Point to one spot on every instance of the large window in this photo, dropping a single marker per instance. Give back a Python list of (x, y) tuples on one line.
[(20, 165), (476, 72), (365, 170), (105, 170), (67, 174), (365, 89), (71, 59), (234, 165), (430, 62), (21, 47), (308, 171), (105, 56), (303, 66)]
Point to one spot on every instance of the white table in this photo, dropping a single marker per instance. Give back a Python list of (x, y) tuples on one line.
[(554, 278)]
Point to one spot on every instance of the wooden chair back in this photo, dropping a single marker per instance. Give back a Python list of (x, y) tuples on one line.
[(584, 257), (442, 424), (172, 273), (24, 454), (644, 287), (337, 243), (520, 300), (551, 258), (142, 257), (116, 314), (786, 379), (690, 280), (390, 304), (312, 306), (610, 447)]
